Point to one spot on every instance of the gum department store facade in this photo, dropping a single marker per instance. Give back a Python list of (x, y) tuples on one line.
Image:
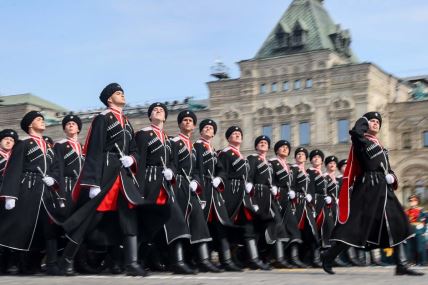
[(305, 85)]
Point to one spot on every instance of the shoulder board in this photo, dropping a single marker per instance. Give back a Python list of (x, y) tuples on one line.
[(25, 138), (105, 112), (175, 139), (254, 154), (198, 141), (226, 149), (61, 141), (147, 129), (273, 159)]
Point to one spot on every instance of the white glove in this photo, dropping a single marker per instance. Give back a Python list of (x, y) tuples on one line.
[(127, 161), (193, 185), (49, 181), (9, 203), (328, 200), (167, 173), (389, 178), (308, 197), (255, 208), (94, 191), (274, 190), (216, 182), (248, 187), (291, 194)]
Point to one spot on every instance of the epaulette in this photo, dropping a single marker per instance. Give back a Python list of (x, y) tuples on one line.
[(226, 149), (105, 112), (147, 129), (175, 139), (61, 141), (273, 159)]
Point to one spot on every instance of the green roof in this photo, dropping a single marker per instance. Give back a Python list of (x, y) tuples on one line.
[(312, 21), (30, 99)]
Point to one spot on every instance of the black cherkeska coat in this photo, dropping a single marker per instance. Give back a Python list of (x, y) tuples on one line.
[(305, 211), (184, 161), (268, 217), (154, 155), (376, 218), (106, 140), (70, 163), (283, 179), (23, 182), (210, 167)]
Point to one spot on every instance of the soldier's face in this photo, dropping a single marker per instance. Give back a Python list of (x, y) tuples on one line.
[(38, 124), (187, 125), (207, 132), (283, 151), (262, 146), (117, 99), (342, 169), (316, 160), (71, 129), (332, 166), (158, 113), (374, 126), (7, 143), (235, 138), (301, 157)]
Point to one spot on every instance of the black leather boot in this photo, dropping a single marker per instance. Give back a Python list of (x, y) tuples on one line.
[(340, 262), (353, 257), (375, 258), (328, 256), (81, 262), (204, 263), (226, 257), (402, 266), (316, 260), (254, 262), (66, 261), (179, 266), (294, 254), (132, 268), (280, 262), (52, 258)]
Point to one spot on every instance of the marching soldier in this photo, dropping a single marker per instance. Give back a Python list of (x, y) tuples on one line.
[(188, 188), (33, 198), (107, 188), (305, 206), (156, 176), (237, 188), (265, 194), (212, 174), (371, 216), (283, 179)]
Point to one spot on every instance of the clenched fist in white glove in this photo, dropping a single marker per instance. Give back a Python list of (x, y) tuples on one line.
[(49, 181), (291, 194), (216, 182), (9, 203), (390, 179), (193, 185), (248, 187), (127, 161), (274, 190), (167, 173), (328, 200), (308, 198), (94, 191)]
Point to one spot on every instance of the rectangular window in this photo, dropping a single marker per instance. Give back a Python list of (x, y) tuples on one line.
[(285, 86), (286, 132), (267, 131), (308, 83), (297, 84), (426, 139), (407, 141), (343, 131), (262, 88), (304, 133), (273, 87)]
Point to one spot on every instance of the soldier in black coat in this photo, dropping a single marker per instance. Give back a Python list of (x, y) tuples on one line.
[(305, 203), (239, 204), (32, 197), (156, 176), (107, 189), (371, 215), (189, 187), (212, 174), (283, 179)]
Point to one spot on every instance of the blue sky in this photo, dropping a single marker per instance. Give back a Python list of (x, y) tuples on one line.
[(67, 51)]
